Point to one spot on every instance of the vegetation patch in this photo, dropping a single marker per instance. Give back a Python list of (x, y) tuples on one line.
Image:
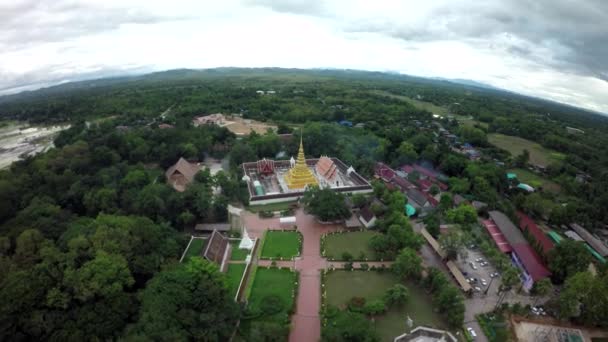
[(494, 327), (338, 246), (281, 244), (237, 253), (535, 180), (195, 248), (516, 145), (233, 276), (423, 105), (271, 302), (342, 286)]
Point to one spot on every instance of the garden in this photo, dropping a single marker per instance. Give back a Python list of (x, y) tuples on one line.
[(369, 290), (236, 253), (195, 248), (534, 180), (233, 276), (283, 245), (271, 296), (348, 246)]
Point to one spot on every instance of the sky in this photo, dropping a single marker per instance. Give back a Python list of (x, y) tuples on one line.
[(554, 49)]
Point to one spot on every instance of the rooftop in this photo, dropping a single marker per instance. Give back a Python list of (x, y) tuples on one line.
[(531, 261), (497, 236), (527, 224), (594, 242), (507, 228)]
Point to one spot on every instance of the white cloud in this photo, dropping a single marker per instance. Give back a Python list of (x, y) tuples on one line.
[(428, 38)]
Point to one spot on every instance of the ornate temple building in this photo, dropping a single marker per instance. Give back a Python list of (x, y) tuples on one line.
[(299, 176), (327, 169), (271, 181)]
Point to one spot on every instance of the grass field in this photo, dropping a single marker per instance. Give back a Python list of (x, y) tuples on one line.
[(416, 103), (238, 254), (354, 243), (196, 248), (535, 180), (234, 275), (279, 244), (516, 145), (274, 281), (341, 286)]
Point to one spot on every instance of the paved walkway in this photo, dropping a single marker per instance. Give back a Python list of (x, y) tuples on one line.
[(306, 322)]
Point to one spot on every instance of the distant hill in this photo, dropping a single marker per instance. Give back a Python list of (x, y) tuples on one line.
[(273, 77)]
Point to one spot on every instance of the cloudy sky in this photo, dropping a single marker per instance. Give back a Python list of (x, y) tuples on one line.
[(556, 49)]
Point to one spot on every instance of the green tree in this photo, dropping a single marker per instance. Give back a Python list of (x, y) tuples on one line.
[(408, 264), (452, 243), (174, 299), (406, 153), (398, 294), (325, 204), (463, 214), (510, 277), (568, 258), (349, 326)]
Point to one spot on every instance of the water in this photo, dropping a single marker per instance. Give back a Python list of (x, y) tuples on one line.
[(20, 139)]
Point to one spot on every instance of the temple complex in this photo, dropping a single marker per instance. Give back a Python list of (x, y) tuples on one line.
[(299, 176), (271, 181)]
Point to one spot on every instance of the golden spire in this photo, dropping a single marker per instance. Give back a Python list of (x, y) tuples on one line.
[(300, 175)]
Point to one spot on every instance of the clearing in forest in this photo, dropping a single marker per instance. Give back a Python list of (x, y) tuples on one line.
[(516, 145)]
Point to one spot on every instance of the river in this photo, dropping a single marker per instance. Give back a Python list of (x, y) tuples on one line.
[(20, 139)]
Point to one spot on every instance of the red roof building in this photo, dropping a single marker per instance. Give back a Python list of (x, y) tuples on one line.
[(425, 184), (326, 168), (530, 261), (384, 171), (541, 241), (497, 236)]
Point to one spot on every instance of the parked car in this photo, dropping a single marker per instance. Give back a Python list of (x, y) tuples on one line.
[(471, 332)]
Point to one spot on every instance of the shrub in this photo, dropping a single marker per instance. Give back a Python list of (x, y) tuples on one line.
[(375, 307), (348, 266), (265, 214), (271, 304), (347, 256), (364, 266), (356, 304)]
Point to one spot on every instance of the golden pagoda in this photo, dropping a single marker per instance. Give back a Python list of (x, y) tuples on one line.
[(299, 176)]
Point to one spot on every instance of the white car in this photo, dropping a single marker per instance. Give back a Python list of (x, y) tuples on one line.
[(484, 283), (472, 332)]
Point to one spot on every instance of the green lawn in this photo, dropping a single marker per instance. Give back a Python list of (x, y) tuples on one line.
[(274, 281), (238, 254), (234, 275), (279, 244), (354, 243), (341, 286), (535, 180), (196, 248), (515, 145)]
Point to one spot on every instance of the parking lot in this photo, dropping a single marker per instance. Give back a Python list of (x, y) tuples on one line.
[(480, 272)]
